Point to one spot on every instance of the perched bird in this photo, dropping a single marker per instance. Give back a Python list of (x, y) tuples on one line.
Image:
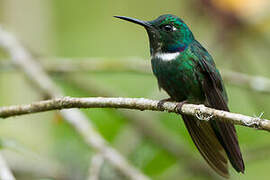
[(187, 72)]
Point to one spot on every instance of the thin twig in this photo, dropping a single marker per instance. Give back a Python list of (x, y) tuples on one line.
[(5, 172), (200, 111), (35, 73)]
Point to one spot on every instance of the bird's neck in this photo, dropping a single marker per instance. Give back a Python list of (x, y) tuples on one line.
[(173, 48), (169, 52)]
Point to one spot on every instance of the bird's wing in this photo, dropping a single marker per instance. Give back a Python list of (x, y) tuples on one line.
[(216, 98)]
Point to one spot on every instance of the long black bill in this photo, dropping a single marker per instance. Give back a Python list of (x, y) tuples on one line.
[(136, 21)]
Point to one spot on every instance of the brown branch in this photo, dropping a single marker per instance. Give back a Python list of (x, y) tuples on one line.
[(200, 111)]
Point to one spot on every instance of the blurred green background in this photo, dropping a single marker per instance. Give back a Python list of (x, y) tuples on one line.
[(43, 146)]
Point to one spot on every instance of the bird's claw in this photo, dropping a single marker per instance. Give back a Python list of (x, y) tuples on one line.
[(179, 106), (203, 117), (161, 103)]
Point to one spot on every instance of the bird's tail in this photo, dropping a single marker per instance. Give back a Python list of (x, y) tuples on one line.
[(208, 144)]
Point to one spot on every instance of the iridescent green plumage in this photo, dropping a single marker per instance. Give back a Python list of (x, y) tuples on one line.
[(187, 72)]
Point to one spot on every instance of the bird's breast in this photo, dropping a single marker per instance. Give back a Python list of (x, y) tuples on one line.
[(177, 77)]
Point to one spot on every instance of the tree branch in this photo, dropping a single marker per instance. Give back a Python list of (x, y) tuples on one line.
[(95, 167), (200, 111), (22, 59), (146, 126), (5, 172), (38, 77), (137, 65), (256, 83)]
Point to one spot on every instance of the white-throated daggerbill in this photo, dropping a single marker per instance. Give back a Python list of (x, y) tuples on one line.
[(187, 72)]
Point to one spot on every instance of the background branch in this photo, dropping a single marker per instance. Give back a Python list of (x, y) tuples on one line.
[(34, 72), (136, 65), (256, 83), (95, 167), (142, 66), (5, 172), (147, 126)]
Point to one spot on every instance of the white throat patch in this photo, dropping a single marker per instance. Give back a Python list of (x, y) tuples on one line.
[(167, 56)]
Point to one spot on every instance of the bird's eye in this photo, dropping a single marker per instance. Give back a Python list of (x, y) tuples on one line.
[(168, 28)]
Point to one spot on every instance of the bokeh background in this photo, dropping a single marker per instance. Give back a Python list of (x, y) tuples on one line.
[(44, 146)]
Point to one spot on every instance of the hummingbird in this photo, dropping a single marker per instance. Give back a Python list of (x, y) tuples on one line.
[(187, 72)]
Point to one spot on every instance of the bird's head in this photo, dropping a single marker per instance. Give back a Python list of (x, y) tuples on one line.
[(167, 33)]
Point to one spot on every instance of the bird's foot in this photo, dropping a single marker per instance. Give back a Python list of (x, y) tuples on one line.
[(256, 121), (203, 117), (179, 106), (161, 102)]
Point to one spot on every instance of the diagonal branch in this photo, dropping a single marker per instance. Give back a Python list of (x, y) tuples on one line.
[(147, 127), (5, 172), (95, 167), (200, 111), (35, 73)]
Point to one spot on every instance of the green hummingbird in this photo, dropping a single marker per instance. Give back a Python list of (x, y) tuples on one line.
[(187, 72)]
